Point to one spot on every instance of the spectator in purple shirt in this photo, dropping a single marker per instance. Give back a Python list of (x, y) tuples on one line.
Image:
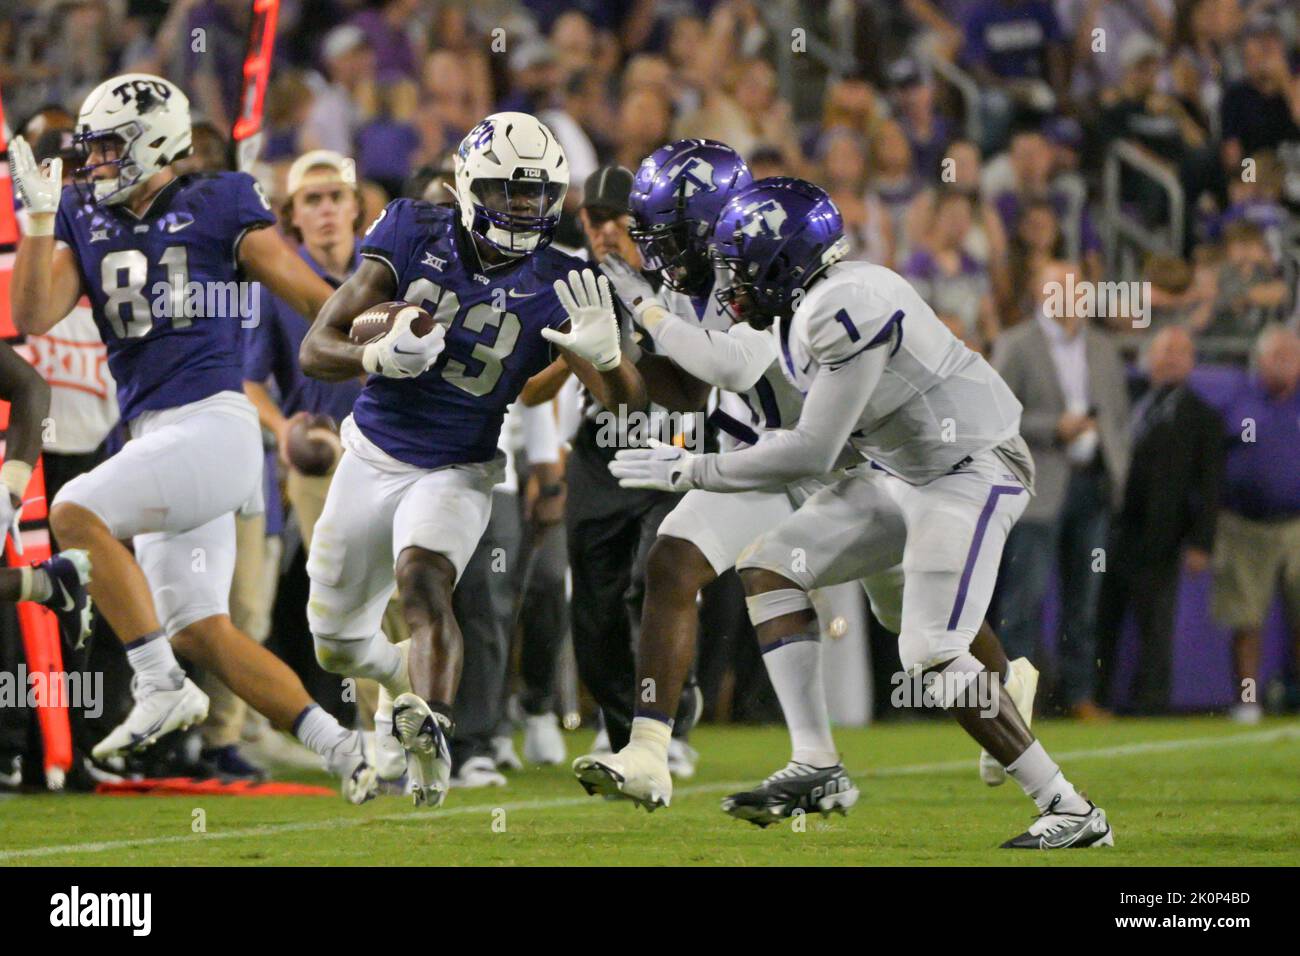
[(386, 25), (1015, 51), (928, 130), (950, 279), (1257, 546)]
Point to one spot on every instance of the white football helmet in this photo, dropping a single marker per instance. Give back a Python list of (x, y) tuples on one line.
[(511, 177), (130, 127)]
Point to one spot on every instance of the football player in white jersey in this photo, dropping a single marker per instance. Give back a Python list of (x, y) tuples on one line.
[(943, 478)]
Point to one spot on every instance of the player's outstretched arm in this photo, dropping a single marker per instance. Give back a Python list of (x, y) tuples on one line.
[(326, 351), (733, 360), (265, 256), (671, 386), (590, 346), (46, 283), (833, 406), (620, 385)]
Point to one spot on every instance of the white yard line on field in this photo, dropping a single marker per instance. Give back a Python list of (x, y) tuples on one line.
[(306, 826)]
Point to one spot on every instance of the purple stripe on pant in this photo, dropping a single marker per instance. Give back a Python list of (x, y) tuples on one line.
[(996, 492)]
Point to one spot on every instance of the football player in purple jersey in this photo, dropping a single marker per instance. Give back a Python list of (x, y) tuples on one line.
[(162, 258), (412, 494)]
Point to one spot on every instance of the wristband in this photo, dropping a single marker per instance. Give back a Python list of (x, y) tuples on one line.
[(651, 314), (16, 475), (40, 224)]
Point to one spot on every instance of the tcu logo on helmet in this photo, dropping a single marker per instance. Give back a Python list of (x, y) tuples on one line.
[(764, 219), (477, 138), (695, 174), (146, 93)]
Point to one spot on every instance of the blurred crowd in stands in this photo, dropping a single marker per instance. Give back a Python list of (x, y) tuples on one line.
[(1100, 195)]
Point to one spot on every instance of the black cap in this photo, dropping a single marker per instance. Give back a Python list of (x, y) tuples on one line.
[(52, 143), (608, 188)]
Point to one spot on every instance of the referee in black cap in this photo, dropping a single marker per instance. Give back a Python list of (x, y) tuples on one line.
[(610, 529)]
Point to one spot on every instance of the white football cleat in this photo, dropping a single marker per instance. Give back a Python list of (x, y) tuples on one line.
[(155, 713), (682, 758), (353, 762), (1064, 831), (543, 741), (1021, 685), (600, 745), (634, 773), (390, 755), (478, 772), (423, 733)]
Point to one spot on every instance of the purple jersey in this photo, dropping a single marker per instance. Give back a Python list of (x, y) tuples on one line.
[(164, 287), (452, 413)]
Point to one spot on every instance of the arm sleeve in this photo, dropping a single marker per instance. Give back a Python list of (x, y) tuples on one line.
[(834, 404), (733, 360)]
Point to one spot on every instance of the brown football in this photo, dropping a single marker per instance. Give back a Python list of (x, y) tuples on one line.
[(313, 445), (378, 319)]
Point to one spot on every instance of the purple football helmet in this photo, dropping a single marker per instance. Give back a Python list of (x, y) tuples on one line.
[(772, 239), (676, 197)]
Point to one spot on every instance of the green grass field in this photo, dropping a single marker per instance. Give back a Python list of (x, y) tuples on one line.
[(1178, 792)]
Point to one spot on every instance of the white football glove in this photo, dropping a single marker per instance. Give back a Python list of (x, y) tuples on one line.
[(661, 467), (635, 290), (39, 187), (400, 353), (10, 516), (593, 332)]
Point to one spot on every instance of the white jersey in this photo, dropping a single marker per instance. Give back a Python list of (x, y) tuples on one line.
[(742, 415), (937, 402)]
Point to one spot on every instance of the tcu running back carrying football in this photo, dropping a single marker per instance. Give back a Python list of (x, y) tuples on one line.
[(412, 493), (138, 239), (943, 476)]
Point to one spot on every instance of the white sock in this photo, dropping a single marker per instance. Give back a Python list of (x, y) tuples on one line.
[(795, 667), (1042, 780), (319, 731), (652, 735), (152, 660)]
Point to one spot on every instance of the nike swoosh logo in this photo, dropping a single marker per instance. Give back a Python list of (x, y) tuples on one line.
[(521, 295), (178, 226), (68, 602), (136, 738), (403, 351)]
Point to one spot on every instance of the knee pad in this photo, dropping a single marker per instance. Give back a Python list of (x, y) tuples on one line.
[(370, 657), (770, 605)]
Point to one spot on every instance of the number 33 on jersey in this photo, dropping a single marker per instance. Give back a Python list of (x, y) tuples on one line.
[(452, 413)]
